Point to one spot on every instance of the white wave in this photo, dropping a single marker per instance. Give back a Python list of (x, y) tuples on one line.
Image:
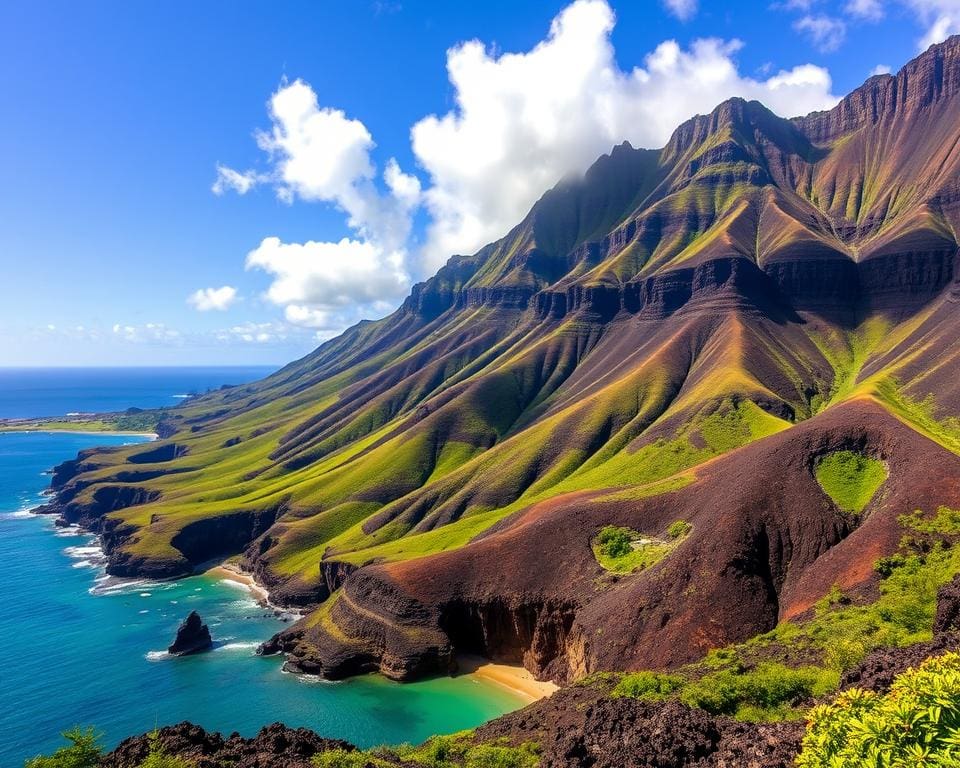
[(20, 514), (68, 532), (144, 594), (107, 585), (145, 610), (84, 564), (237, 646), (233, 583), (182, 397), (157, 656), (83, 551)]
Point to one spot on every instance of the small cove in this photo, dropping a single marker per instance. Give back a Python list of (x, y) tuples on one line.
[(83, 649)]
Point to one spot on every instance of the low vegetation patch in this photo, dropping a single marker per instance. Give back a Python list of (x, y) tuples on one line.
[(916, 724), (84, 750), (623, 550), (458, 750), (769, 691), (777, 675), (850, 479)]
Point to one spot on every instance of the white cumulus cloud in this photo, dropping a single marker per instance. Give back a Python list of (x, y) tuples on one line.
[(682, 9), (941, 18), (524, 120), (207, 299), (825, 32), (519, 123), (870, 10), (315, 281), (231, 180)]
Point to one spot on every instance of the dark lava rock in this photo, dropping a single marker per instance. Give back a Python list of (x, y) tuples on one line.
[(948, 608), (275, 746), (584, 726), (193, 636), (877, 670)]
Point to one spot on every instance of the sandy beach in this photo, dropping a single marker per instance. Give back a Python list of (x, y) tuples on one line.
[(512, 676), (232, 572)]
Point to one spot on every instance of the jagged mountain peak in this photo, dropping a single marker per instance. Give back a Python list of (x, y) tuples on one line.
[(704, 321)]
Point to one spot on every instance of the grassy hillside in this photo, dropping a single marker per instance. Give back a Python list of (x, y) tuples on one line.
[(635, 348)]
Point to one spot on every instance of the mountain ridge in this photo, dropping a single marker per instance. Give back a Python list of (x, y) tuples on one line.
[(707, 321)]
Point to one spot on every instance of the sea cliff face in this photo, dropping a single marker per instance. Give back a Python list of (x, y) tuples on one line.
[(681, 336)]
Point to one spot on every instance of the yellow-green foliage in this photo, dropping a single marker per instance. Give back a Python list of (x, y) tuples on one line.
[(649, 686), (623, 550), (342, 758), (768, 691), (460, 749), (850, 479), (770, 676), (923, 414), (158, 758), (82, 751), (915, 725)]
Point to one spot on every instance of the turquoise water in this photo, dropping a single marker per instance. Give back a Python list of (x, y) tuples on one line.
[(33, 392), (78, 649)]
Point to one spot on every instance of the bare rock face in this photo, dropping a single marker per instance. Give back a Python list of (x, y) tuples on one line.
[(275, 746), (948, 608), (193, 636), (583, 726)]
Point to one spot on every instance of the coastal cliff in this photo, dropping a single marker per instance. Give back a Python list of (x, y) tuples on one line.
[(682, 336)]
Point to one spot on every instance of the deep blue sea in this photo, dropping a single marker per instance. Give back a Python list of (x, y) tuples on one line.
[(29, 392), (79, 648)]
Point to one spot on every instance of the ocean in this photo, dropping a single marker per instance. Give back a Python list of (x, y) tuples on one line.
[(33, 392), (79, 648)]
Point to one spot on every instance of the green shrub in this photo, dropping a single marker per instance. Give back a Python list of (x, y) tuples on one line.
[(496, 756), (83, 751), (678, 529), (342, 758), (614, 542), (158, 758), (648, 686), (762, 693), (458, 750), (917, 724)]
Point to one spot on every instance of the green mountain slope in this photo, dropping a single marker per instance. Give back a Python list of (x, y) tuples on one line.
[(683, 334)]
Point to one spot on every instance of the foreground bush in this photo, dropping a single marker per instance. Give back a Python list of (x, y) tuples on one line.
[(84, 751), (917, 724)]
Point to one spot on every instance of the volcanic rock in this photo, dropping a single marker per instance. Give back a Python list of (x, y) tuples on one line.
[(275, 746), (948, 608), (193, 636)]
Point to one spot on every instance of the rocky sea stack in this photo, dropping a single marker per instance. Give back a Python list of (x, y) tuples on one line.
[(193, 636)]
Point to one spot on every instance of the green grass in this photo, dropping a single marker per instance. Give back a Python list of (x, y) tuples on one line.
[(460, 749), (139, 423), (623, 550), (850, 479)]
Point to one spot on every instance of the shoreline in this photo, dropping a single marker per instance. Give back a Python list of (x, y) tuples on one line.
[(91, 432), (513, 677), (232, 572)]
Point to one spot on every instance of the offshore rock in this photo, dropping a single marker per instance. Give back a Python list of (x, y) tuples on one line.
[(193, 636)]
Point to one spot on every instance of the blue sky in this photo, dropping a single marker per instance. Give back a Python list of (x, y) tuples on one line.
[(118, 115)]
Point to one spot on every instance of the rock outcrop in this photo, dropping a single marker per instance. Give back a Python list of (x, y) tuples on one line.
[(275, 746), (948, 608), (193, 636)]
